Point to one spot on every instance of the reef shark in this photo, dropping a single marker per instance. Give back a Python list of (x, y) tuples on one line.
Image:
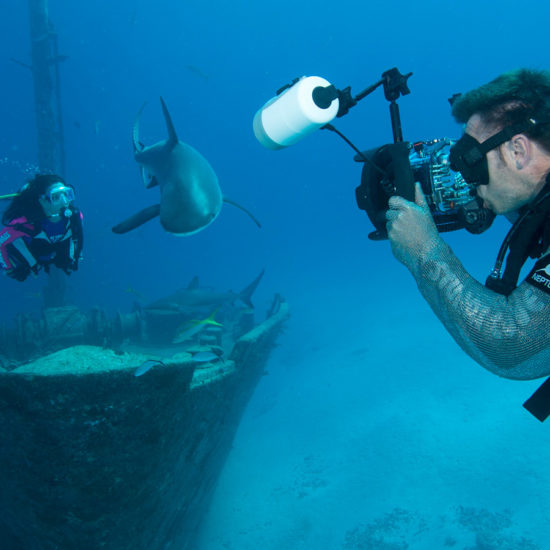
[(195, 297), (190, 195)]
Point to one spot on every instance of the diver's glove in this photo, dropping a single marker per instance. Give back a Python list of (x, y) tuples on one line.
[(68, 265), (19, 273), (22, 270), (411, 230)]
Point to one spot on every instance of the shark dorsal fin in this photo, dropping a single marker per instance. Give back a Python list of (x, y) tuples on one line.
[(172, 136), (193, 284)]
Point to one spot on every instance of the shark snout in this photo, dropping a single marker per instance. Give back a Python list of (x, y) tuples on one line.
[(184, 226)]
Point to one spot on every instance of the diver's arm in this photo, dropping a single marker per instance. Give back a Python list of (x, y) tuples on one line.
[(509, 336)]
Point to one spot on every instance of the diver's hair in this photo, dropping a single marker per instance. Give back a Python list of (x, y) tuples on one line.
[(511, 98), (26, 204)]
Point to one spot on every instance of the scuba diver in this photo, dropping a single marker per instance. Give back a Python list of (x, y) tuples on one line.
[(43, 227), (505, 154)]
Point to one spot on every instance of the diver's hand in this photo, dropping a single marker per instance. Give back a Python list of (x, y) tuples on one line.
[(19, 273), (68, 265), (411, 229)]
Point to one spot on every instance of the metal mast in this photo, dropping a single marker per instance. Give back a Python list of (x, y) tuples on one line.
[(45, 61)]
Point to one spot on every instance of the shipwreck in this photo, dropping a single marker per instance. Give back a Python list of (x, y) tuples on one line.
[(100, 453)]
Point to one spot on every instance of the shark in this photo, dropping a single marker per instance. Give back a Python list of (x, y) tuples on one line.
[(195, 297), (190, 194)]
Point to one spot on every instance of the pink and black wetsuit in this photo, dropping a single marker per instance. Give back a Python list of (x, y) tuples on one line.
[(26, 247)]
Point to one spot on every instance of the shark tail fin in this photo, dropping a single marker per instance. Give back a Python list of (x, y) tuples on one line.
[(172, 136), (137, 219), (237, 205), (246, 293)]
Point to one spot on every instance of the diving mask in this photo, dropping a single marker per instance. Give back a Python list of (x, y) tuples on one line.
[(59, 195), (56, 200), (469, 157)]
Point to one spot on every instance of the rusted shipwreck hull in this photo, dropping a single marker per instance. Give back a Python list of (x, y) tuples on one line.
[(93, 457)]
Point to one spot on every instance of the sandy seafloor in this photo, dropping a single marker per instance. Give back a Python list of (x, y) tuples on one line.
[(373, 430)]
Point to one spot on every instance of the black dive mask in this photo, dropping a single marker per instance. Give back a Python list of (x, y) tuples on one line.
[(469, 157)]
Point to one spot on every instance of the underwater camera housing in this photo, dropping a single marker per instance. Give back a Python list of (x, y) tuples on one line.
[(310, 103), (393, 169)]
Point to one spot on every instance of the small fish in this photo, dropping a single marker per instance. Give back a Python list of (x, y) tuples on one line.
[(137, 294), (188, 329), (133, 17), (147, 365), (205, 357), (57, 59), (197, 72)]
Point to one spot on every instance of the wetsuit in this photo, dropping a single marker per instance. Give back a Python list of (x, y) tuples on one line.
[(508, 333), (27, 247)]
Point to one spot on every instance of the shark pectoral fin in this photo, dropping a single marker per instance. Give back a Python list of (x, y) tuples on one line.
[(250, 215), (137, 219)]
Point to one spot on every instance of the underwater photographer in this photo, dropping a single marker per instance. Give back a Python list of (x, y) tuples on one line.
[(503, 158), (505, 153)]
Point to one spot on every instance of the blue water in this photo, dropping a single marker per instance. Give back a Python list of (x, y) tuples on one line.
[(370, 407)]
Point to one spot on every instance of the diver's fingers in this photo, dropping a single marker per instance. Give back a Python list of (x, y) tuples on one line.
[(419, 197), (391, 215), (398, 203)]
